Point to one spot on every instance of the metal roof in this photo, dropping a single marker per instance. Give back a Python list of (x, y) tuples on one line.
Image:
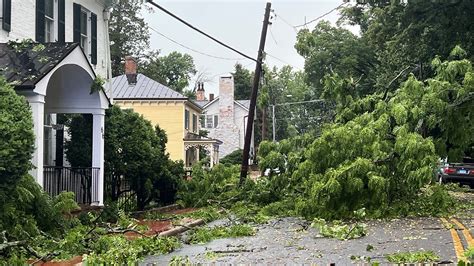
[(243, 103), (145, 88)]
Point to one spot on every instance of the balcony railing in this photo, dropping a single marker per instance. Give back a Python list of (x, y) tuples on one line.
[(79, 180)]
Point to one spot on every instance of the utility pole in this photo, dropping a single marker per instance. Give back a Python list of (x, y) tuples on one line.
[(253, 100)]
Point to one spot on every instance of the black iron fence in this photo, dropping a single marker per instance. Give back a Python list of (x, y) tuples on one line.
[(118, 190), (79, 180)]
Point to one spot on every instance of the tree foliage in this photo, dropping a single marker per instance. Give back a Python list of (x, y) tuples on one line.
[(408, 36), (379, 155), (16, 136), (134, 154), (242, 82), (328, 49), (129, 34), (25, 209), (173, 70)]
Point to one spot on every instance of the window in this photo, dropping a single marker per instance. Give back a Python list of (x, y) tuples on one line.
[(208, 121), (186, 119), (202, 120), (49, 20), (6, 12), (216, 120), (84, 31), (195, 123)]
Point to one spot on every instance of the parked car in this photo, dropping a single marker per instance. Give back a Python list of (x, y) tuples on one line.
[(462, 173)]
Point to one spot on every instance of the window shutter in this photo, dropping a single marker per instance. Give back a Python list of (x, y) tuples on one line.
[(76, 23), (61, 21), (40, 20), (7, 15), (186, 119), (216, 121), (93, 39)]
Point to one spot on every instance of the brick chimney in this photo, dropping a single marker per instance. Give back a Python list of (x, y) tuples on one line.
[(200, 92), (226, 99), (211, 97), (131, 70)]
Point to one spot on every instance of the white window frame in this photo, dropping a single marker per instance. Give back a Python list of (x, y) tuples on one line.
[(209, 121), (86, 38), (51, 23)]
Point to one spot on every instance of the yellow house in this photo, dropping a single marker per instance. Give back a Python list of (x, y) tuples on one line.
[(172, 111)]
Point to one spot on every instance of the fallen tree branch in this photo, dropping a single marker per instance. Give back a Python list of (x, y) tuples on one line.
[(11, 244)]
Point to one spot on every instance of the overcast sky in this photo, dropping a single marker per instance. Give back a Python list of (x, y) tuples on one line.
[(238, 24)]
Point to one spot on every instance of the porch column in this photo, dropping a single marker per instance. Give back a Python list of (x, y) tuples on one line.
[(37, 107), (198, 149), (211, 154), (98, 124)]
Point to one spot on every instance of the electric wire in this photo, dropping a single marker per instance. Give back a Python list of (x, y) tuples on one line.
[(200, 31), (273, 36), (191, 49), (278, 16), (283, 61), (320, 17)]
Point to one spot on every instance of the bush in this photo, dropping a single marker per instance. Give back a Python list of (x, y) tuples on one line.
[(234, 157), (16, 137)]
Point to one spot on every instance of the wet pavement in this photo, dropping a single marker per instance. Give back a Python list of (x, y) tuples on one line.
[(293, 241)]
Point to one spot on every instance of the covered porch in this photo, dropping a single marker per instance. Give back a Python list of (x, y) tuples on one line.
[(61, 85), (194, 143)]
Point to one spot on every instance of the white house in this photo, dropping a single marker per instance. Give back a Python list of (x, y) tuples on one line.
[(224, 117), (68, 47)]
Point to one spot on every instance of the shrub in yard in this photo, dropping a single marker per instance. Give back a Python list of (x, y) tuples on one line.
[(234, 157), (16, 136)]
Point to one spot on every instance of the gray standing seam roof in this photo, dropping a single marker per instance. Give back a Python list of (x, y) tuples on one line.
[(145, 88)]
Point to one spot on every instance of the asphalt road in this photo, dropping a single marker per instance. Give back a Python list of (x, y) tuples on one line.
[(291, 241)]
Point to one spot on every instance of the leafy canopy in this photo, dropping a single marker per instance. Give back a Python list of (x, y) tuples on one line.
[(173, 70)]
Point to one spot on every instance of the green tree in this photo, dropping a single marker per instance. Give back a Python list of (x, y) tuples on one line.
[(329, 49), (242, 82), (173, 70), (25, 208), (381, 151), (129, 34), (16, 136), (80, 129), (406, 37), (134, 153)]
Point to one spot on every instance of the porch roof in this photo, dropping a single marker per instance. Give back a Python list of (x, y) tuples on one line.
[(24, 64), (197, 139)]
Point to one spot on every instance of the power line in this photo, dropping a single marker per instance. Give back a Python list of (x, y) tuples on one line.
[(278, 16), (284, 62), (191, 49), (320, 17), (273, 37), (200, 31)]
